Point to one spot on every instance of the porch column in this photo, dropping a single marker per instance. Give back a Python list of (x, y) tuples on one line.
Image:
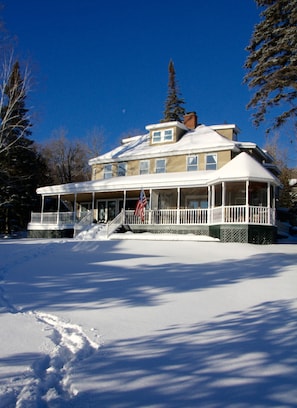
[(223, 201), (213, 192), (93, 203), (178, 206), (74, 208), (150, 206), (42, 209), (124, 206), (209, 211), (273, 204), (58, 210), (247, 184), (268, 219)]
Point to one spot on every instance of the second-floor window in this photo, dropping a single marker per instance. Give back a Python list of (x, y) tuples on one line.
[(107, 171), (211, 162), (160, 166), (122, 169), (144, 167), (192, 163), (161, 136)]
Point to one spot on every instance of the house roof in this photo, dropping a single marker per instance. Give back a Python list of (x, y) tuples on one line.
[(244, 167), (201, 139)]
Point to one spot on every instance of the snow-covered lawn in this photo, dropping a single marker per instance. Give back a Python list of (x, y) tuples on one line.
[(147, 323)]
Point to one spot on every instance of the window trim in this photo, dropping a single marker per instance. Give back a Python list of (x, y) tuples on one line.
[(124, 166), (189, 165), (107, 173), (148, 166), (156, 168), (207, 165), (162, 136)]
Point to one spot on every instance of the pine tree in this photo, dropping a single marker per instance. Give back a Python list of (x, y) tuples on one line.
[(272, 62), (174, 110), (21, 167)]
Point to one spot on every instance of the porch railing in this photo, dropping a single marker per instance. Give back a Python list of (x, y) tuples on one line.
[(239, 214), (53, 218), (243, 215)]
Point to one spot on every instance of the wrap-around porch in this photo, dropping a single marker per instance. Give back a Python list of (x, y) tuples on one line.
[(224, 203)]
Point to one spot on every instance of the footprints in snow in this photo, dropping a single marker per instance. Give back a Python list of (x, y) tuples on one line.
[(50, 377)]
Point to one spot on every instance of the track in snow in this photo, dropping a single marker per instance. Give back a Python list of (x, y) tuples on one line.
[(48, 380)]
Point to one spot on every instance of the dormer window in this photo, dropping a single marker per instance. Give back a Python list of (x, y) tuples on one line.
[(157, 137), (162, 136), (168, 135)]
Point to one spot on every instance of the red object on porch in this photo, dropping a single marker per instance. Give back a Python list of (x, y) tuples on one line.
[(141, 204)]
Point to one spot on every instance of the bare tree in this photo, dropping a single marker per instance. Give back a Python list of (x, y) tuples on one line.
[(67, 160), (13, 92), (281, 159), (95, 141)]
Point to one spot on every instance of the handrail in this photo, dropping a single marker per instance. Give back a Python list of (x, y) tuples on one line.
[(115, 223)]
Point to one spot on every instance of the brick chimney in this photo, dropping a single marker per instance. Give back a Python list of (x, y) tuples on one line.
[(190, 120)]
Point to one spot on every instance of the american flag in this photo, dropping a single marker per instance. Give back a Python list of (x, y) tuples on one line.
[(141, 204)]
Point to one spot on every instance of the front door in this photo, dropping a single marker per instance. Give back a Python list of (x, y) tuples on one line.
[(106, 210)]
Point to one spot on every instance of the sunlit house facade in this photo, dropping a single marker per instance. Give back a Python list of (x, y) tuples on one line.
[(197, 179)]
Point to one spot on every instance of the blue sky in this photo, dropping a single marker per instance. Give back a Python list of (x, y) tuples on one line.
[(104, 64)]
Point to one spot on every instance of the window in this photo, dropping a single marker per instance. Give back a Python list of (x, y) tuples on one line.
[(160, 166), (161, 136), (211, 162), (122, 169), (192, 163), (107, 171), (156, 137), (168, 135), (144, 167)]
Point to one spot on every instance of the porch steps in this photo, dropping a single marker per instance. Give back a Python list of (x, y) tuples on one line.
[(92, 232)]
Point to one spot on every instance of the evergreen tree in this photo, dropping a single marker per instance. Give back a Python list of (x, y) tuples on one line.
[(174, 110), (21, 167), (272, 62)]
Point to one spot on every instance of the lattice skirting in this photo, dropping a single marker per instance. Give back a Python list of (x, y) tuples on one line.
[(65, 233), (254, 234)]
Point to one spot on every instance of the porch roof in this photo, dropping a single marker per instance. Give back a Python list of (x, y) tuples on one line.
[(244, 167), (128, 183)]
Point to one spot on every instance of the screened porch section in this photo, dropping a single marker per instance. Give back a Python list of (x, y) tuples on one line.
[(224, 203)]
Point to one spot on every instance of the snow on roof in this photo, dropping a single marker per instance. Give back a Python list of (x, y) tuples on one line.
[(229, 126), (244, 167), (163, 125), (201, 139), (146, 181)]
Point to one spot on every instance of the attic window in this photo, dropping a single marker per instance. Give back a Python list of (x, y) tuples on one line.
[(161, 136)]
